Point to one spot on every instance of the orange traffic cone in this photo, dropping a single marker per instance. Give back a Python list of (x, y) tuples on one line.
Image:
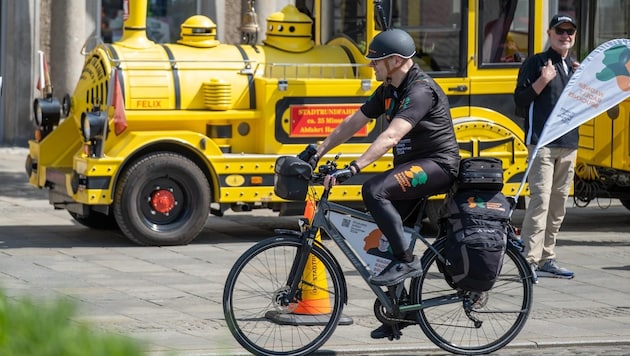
[(314, 307), (315, 297)]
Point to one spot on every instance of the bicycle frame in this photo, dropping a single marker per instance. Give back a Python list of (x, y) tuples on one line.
[(321, 221)]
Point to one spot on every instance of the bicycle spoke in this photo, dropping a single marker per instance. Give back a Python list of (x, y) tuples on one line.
[(259, 312), (477, 323)]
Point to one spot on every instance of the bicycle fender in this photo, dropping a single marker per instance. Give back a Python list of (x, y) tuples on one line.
[(287, 232)]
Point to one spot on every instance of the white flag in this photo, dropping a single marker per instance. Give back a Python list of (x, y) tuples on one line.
[(601, 81)]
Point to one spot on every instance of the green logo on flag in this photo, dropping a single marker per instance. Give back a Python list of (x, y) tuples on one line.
[(617, 61)]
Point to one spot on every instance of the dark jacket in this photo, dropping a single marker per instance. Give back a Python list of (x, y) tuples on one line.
[(543, 103), (421, 102)]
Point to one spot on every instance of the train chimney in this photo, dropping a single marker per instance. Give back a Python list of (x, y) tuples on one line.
[(135, 25)]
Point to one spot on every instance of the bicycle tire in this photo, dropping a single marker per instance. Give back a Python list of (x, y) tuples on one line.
[(256, 283), (502, 311)]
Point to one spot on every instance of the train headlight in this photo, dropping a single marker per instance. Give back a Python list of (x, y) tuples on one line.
[(65, 105), (46, 112), (38, 116), (93, 125)]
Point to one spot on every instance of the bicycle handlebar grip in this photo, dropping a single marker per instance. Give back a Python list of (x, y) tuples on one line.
[(310, 150)]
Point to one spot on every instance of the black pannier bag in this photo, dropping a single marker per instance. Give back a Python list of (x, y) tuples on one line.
[(484, 173), (291, 178), (477, 228)]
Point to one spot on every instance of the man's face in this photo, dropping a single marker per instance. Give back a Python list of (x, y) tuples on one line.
[(380, 68), (562, 37), (383, 244)]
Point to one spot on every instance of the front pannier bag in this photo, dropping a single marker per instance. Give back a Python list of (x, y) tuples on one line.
[(291, 178)]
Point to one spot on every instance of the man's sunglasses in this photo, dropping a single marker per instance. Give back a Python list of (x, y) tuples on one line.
[(568, 31)]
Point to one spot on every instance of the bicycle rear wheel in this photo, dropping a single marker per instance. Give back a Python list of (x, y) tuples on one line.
[(255, 306), (470, 323)]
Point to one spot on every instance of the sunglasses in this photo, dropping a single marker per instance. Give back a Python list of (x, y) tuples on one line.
[(568, 31)]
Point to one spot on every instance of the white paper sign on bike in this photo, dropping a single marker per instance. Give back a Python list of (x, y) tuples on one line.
[(366, 239)]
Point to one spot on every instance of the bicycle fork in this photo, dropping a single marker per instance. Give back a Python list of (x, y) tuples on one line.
[(294, 293)]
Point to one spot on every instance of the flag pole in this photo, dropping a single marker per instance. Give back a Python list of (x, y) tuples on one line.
[(42, 79), (530, 159)]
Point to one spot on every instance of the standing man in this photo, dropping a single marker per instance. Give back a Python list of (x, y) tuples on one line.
[(541, 80), (420, 133)]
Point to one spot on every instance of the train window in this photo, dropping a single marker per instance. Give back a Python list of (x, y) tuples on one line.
[(348, 20), (611, 21), (436, 26), (504, 31), (164, 18)]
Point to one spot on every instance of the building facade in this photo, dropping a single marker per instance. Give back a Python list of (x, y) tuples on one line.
[(59, 29)]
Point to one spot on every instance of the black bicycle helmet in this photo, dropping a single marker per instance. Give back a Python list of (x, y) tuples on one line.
[(391, 42)]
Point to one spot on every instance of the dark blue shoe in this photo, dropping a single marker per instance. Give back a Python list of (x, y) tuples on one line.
[(551, 269)]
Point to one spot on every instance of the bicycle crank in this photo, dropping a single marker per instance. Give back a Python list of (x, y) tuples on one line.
[(388, 318)]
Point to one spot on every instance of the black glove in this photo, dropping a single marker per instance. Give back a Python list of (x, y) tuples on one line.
[(342, 175), (346, 173), (310, 155)]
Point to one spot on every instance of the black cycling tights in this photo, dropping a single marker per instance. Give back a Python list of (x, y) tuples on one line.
[(392, 195)]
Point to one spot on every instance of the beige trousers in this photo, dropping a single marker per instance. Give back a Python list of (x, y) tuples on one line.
[(550, 178)]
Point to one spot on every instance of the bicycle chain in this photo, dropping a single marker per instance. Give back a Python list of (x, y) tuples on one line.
[(392, 320), (395, 321)]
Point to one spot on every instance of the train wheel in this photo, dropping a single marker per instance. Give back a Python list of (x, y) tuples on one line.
[(96, 221), (162, 199)]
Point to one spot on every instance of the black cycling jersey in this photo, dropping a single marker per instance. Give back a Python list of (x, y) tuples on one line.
[(421, 102)]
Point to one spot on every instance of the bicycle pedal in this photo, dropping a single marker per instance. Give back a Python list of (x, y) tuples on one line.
[(396, 334)]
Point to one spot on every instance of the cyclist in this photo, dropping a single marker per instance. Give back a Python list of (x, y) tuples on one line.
[(420, 132)]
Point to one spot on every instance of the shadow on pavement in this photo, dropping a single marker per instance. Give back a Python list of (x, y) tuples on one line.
[(15, 185), (13, 237)]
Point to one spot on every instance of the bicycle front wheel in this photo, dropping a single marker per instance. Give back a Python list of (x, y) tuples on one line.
[(473, 323), (255, 304)]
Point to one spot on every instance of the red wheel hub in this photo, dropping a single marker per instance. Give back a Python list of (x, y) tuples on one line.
[(162, 201)]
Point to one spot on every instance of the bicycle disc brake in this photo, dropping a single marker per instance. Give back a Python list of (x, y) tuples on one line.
[(281, 302)]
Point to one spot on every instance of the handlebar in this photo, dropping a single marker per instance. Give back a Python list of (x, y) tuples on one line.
[(322, 171), (319, 174)]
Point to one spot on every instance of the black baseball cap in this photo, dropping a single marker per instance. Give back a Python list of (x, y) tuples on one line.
[(560, 19)]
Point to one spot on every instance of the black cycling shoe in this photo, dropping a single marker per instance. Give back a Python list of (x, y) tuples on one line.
[(387, 331), (398, 271)]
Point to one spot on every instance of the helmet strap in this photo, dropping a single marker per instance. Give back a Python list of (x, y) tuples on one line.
[(390, 71)]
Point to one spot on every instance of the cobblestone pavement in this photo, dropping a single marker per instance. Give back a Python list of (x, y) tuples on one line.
[(569, 350)]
